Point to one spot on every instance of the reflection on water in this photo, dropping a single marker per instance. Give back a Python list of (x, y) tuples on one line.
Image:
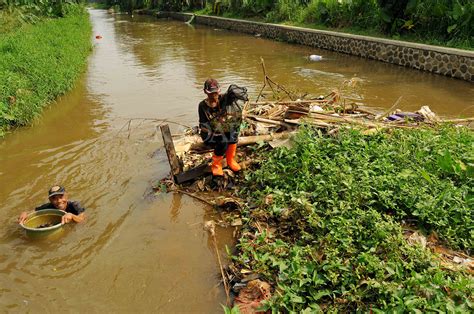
[(134, 252)]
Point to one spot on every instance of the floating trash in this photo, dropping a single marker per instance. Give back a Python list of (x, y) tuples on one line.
[(315, 57)]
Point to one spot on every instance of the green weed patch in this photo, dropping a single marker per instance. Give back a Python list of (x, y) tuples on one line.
[(40, 62), (336, 206)]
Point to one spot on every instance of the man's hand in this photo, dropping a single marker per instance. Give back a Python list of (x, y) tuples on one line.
[(67, 218), (22, 217)]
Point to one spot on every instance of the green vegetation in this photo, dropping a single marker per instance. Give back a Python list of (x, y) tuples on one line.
[(336, 206), (41, 56), (99, 5), (441, 22), (15, 13)]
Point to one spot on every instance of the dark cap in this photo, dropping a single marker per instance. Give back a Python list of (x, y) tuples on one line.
[(211, 86), (56, 190)]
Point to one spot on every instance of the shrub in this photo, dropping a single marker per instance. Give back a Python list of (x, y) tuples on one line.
[(337, 204)]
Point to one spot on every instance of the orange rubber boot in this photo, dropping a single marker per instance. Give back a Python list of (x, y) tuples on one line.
[(216, 166), (230, 155)]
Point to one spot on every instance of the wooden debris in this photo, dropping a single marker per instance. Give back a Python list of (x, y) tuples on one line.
[(449, 259), (194, 143), (274, 122), (210, 226), (175, 165), (192, 174), (385, 113)]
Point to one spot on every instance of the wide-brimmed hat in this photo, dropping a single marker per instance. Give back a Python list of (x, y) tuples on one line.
[(211, 86), (56, 190)]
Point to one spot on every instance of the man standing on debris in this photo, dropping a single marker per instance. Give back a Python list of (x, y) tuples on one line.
[(220, 117)]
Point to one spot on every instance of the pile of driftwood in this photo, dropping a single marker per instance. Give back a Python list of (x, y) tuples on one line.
[(268, 124), (274, 122)]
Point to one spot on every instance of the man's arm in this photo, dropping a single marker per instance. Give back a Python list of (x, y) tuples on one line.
[(204, 124), (78, 217), (71, 217)]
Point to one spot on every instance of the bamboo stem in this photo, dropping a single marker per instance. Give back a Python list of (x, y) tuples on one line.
[(458, 120), (380, 116)]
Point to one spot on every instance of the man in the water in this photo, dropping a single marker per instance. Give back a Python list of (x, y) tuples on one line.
[(58, 198)]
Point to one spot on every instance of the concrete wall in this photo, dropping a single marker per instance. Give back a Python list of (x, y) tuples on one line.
[(445, 61)]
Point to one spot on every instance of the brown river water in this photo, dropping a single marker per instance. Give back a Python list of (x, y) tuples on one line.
[(137, 252)]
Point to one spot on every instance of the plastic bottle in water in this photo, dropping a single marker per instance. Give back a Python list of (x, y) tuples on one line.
[(315, 57)]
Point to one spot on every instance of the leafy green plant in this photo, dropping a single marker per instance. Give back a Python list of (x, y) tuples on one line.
[(233, 310), (337, 204)]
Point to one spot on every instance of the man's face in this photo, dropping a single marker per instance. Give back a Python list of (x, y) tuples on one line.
[(59, 201), (213, 99)]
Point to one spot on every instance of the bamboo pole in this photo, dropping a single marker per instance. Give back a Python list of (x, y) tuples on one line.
[(380, 116), (210, 227), (269, 121), (458, 120)]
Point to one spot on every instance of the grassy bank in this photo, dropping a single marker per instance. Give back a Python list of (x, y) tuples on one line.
[(39, 62), (336, 208)]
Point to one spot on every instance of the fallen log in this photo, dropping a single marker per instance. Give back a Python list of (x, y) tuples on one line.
[(269, 121), (195, 144), (289, 102), (331, 118), (192, 173), (247, 140)]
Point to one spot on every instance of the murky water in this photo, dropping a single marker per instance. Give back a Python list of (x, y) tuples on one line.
[(136, 252)]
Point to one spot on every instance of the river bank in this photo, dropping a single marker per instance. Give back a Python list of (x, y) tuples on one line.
[(350, 214), (330, 221), (134, 246), (40, 62)]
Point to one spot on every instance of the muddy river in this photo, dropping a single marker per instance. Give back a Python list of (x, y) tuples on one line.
[(136, 251)]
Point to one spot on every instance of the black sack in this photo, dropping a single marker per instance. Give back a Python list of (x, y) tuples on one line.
[(234, 100)]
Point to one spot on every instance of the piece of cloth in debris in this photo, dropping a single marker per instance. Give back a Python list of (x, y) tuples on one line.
[(250, 298)]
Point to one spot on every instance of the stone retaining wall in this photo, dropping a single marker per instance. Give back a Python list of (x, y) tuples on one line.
[(446, 61)]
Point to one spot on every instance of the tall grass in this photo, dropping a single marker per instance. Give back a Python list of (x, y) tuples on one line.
[(39, 62)]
